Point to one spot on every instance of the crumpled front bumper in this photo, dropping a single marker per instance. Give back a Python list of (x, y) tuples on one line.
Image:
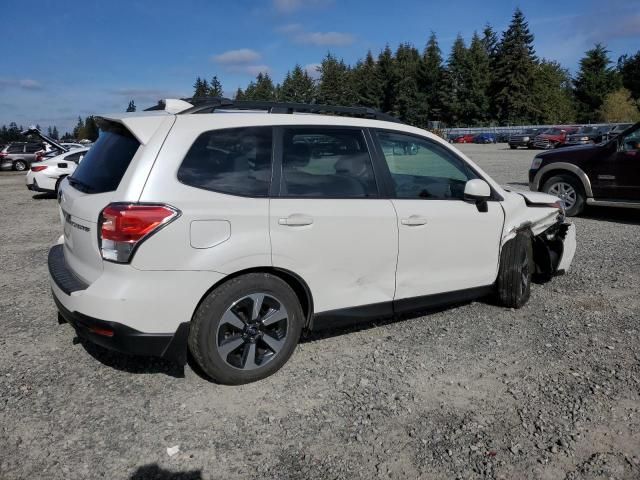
[(554, 249)]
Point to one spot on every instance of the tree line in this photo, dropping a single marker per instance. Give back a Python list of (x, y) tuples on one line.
[(493, 80), (85, 129)]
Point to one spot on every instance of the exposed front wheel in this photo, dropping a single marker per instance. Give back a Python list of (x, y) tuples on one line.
[(569, 190), (246, 329), (516, 269)]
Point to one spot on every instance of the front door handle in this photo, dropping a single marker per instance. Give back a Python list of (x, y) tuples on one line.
[(414, 221), (296, 220)]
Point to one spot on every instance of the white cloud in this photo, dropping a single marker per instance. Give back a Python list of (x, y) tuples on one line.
[(241, 56), (298, 34), (25, 83), (252, 70), (312, 70)]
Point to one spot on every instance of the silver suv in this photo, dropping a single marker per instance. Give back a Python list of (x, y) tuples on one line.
[(226, 228)]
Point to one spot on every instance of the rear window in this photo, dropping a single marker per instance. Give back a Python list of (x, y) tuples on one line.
[(16, 149), (104, 165), (235, 161)]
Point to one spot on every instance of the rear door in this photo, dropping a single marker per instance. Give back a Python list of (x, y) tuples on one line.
[(328, 222), (618, 173), (445, 243)]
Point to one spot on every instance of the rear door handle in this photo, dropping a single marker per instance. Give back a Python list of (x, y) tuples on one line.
[(296, 220), (414, 221)]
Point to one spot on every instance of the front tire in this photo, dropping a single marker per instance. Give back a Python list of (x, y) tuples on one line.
[(569, 190), (246, 329), (516, 268)]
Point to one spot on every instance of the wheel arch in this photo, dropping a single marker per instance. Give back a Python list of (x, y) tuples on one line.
[(562, 168), (297, 284)]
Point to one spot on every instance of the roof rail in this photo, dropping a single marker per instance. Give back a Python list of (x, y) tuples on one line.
[(211, 104)]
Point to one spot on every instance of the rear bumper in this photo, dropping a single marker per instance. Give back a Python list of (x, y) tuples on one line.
[(67, 288), (6, 165)]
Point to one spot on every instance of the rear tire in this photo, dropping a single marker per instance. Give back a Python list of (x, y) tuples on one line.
[(20, 165), (570, 190), (246, 329), (516, 268)]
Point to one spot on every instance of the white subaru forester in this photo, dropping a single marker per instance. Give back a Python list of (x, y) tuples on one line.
[(226, 228)]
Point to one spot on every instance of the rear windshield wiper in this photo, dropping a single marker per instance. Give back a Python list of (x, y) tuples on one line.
[(80, 185)]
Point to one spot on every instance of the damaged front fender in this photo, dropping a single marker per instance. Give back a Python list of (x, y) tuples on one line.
[(553, 250)]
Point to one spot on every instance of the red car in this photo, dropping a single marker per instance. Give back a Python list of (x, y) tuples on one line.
[(553, 137), (466, 138)]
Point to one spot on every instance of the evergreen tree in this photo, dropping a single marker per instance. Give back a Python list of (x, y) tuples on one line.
[(200, 88), (215, 87), (552, 94), (90, 129), (334, 88), (387, 71), (297, 86), (49, 131), (239, 94), (261, 89), (474, 95), (629, 68), (454, 79), (490, 41), (515, 71), (595, 80), (131, 107), (78, 130), (409, 102), (366, 83), (491, 44), (54, 133), (430, 78)]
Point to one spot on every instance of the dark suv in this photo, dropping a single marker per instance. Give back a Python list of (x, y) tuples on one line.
[(18, 156), (589, 134), (524, 138), (606, 174)]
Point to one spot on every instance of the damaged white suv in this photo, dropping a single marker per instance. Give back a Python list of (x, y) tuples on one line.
[(226, 228)]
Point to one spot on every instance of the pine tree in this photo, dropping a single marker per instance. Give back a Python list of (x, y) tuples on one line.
[(200, 88), (409, 103), (629, 68), (49, 131), (91, 129), (239, 94), (454, 78), (297, 86), (387, 71), (515, 71), (366, 83), (595, 80), (552, 94), (430, 78), (261, 89), (54, 133), (131, 107), (78, 130), (474, 98), (334, 84), (215, 87)]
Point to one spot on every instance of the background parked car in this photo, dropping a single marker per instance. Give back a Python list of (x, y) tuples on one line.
[(553, 137), (19, 155), (588, 134), (465, 138), (54, 152), (524, 138), (46, 176), (617, 130), (485, 138)]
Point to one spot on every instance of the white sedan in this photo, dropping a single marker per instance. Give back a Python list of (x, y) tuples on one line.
[(46, 176)]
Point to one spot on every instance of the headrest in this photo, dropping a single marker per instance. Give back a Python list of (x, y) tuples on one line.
[(297, 155)]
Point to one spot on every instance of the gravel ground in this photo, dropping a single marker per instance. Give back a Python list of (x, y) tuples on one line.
[(476, 391)]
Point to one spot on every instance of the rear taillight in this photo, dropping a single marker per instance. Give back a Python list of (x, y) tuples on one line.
[(3, 154), (38, 168), (124, 226)]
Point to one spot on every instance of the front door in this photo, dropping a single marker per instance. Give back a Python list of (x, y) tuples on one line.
[(328, 223), (445, 243)]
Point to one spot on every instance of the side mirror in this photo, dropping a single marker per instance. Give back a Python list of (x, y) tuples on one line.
[(477, 191)]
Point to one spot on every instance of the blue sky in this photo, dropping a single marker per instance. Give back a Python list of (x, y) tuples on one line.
[(61, 59)]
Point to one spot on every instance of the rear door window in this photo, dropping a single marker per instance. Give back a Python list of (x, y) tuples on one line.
[(103, 167), (326, 163), (16, 149), (236, 161)]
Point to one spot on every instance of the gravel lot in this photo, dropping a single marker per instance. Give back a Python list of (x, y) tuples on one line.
[(476, 391)]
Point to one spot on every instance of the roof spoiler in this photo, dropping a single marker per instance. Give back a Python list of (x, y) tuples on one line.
[(171, 105)]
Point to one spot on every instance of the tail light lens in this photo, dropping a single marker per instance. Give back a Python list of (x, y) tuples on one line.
[(38, 168), (3, 154), (123, 227)]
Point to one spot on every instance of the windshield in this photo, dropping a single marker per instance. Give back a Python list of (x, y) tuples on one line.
[(104, 165), (586, 130)]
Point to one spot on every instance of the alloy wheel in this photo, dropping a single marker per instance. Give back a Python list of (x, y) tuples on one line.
[(252, 331), (565, 192)]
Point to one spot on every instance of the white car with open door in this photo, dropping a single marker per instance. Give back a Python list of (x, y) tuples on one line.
[(45, 176), (226, 231)]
